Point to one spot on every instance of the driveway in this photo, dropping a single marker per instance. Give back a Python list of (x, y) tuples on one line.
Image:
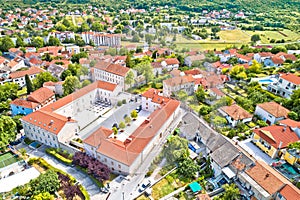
[(253, 150), (82, 178)]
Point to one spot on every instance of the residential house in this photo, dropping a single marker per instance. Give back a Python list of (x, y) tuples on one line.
[(272, 139), (180, 83), (18, 77), (152, 100), (217, 93), (157, 68), (193, 58), (244, 59), (285, 86), (261, 57), (235, 114), (84, 62), (170, 64), (56, 87), (56, 70), (72, 49), (124, 156), (265, 183), (275, 61), (36, 100), (271, 112), (16, 64)]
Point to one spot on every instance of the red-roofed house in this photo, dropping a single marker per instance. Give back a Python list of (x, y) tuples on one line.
[(286, 85), (19, 76), (272, 139), (170, 64), (184, 83), (215, 92), (271, 112), (235, 114), (36, 100)]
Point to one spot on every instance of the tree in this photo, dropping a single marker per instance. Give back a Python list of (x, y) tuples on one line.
[(75, 58), (53, 41), (204, 110), (65, 74), (96, 26), (238, 72), (42, 78), (200, 94), (85, 83), (231, 192), (219, 121), (6, 43), (43, 196), (128, 61), (20, 42), (129, 80), (84, 27), (127, 120), (293, 115), (22, 151), (255, 67), (135, 38), (187, 168), (149, 38), (115, 130), (37, 42), (47, 182), (29, 84), (145, 69), (255, 38), (277, 49), (176, 149), (134, 114), (294, 102), (7, 130), (295, 145), (122, 125), (70, 85)]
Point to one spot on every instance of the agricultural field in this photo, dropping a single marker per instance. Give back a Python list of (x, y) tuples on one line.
[(234, 36), (266, 36)]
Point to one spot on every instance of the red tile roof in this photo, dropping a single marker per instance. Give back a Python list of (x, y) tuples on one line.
[(24, 103), (291, 78), (30, 71), (274, 109), (236, 112), (266, 177), (171, 61), (277, 60), (40, 95), (217, 92), (117, 69), (290, 192), (276, 135), (290, 123)]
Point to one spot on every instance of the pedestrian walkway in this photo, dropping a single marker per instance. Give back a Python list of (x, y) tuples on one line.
[(156, 171)]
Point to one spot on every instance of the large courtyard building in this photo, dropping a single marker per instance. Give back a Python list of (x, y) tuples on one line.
[(101, 39)]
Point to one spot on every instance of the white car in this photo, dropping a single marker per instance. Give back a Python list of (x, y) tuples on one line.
[(146, 183)]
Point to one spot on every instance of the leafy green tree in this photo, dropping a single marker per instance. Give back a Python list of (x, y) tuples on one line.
[(149, 38), (219, 121), (224, 101), (17, 120), (53, 41), (29, 84), (187, 167), (67, 23), (204, 110), (65, 74), (20, 42), (231, 192), (6, 43), (47, 182), (255, 67), (277, 49), (85, 83), (96, 26), (134, 114), (295, 145), (145, 69), (294, 102), (84, 27), (43, 196), (255, 38), (127, 120), (79, 41), (135, 38), (128, 61), (22, 151), (37, 42), (75, 58), (122, 125), (115, 130), (43, 77), (238, 72), (129, 80), (176, 149), (293, 115), (200, 94), (70, 85), (7, 130)]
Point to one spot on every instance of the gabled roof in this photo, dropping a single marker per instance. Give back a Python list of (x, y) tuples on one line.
[(277, 60), (24, 103), (40, 95), (171, 61), (290, 192), (274, 109), (30, 71), (277, 136), (266, 177), (290, 123), (236, 112), (291, 78), (179, 80), (217, 91), (225, 154)]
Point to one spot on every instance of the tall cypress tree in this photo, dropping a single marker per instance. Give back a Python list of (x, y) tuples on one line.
[(29, 85)]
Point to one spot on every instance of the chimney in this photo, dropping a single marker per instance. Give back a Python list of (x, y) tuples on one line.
[(51, 122), (69, 118), (267, 175)]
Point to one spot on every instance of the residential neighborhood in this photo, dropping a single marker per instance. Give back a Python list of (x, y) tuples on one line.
[(144, 100)]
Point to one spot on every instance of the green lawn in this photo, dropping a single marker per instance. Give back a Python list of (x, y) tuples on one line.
[(161, 189), (21, 92), (266, 36), (234, 36), (7, 159)]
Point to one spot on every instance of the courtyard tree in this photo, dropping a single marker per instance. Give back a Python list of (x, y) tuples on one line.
[(47, 182), (129, 80), (85, 83), (231, 193), (146, 70), (200, 94), (134, 114), (70, 85), (175, 149), (127, 120), (115, 130), (122, 125), (255, 67), (43, 77)]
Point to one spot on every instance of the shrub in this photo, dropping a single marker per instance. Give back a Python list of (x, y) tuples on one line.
[(53, 153), (124, 101), (119, 103)]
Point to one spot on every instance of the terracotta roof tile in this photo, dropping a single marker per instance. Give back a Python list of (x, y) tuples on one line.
[(40, 95), (179, 80), (277, 60), (217, 91), (24, 103), (291, 78), (277, 136), (274, 109), (171, 61), (290, 192), (236, 112), (290, 123), (117, 69), (30, 71)]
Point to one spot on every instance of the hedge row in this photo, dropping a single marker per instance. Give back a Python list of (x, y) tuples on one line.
[(43, 163), (53, 152)]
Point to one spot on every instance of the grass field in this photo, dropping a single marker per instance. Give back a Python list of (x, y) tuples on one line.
[(234, 36), (7, 159), (266, 36)]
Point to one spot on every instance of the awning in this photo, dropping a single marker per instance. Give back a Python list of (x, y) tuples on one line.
[(228, 172), (195, 187)]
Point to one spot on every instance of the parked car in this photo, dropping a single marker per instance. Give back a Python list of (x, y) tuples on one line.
[(146, 183), (139, 108)]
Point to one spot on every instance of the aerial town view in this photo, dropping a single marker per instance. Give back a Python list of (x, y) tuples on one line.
[(150, 100)]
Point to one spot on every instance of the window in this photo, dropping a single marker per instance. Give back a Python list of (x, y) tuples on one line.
[(112, 163), (119, 166), (105, 160)]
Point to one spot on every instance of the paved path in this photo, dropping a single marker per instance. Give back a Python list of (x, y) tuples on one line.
[(158, 168)]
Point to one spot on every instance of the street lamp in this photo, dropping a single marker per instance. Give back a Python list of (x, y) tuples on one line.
[(123, 195)]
